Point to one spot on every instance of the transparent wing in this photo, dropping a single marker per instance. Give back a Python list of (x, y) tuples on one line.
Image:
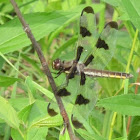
[(105, 46), (87, 31), (100, 49), (101, 46), (85, 100)]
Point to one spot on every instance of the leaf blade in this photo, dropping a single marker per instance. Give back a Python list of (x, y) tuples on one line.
[(125, 104)]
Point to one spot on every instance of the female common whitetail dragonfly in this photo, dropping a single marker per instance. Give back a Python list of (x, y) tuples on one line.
[(97, 48)]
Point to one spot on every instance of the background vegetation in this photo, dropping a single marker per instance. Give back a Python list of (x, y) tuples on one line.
[(25, 91)]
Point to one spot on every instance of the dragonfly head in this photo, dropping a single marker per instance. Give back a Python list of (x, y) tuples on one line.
[(57, 64)]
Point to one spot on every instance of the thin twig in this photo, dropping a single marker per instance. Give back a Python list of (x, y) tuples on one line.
[(45, 68)]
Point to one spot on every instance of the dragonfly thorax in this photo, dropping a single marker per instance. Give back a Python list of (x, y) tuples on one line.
[(62, 65), (80, 67)]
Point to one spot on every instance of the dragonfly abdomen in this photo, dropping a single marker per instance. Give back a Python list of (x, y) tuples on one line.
[(108, 74)]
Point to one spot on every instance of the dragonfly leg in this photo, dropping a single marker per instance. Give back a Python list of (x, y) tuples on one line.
[(73, 68), (57, 73), (54, 72), (61, 89), (64, 85)]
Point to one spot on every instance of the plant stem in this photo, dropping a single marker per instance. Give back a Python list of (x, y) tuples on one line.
[(112, 125), (45, 68)]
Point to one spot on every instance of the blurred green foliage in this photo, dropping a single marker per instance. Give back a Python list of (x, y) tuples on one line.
[(55, 25)]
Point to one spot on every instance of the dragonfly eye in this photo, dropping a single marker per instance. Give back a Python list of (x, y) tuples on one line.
[(56, 64)]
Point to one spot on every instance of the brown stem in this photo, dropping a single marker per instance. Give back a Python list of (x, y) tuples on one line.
[(45, 68)]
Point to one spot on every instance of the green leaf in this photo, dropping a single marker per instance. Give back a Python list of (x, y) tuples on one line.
[(42, 24), (64, 46), (25, 112), (38, 110), (111, 2), (106, 123), (125, 104), (31, 89), (7, 81), (37, 133), (30, 112), (33, 86), (8, 114), (65, 136), (132, 8), (48, 121), (46, 92), (87, 136), (121, 138), (135, 128), (33, 63), (96, 120), (1, 62), (16, 135), (20, 103)]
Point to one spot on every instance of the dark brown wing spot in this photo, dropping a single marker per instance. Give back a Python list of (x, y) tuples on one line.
[(51, 112), (89, 60), (102, 44), (83, 79), (63, 92), (112, 24), (76, 123), (81, 100), (84, 32), (87, 9)]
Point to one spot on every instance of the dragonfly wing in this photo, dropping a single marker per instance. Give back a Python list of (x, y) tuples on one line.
[(101, 46), (98, 49), (105, 46), (84, 103)]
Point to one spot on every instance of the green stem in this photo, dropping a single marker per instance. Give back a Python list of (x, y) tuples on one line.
[(112, 125), (124, 128), (96, 130), (131, 53), (21, 133), (11, 64), (132, 50), (125, 90)]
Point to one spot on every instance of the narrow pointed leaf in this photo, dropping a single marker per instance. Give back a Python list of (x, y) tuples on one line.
[(125, 104)]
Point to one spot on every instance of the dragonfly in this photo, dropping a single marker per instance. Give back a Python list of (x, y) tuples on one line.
[(94, 51)]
